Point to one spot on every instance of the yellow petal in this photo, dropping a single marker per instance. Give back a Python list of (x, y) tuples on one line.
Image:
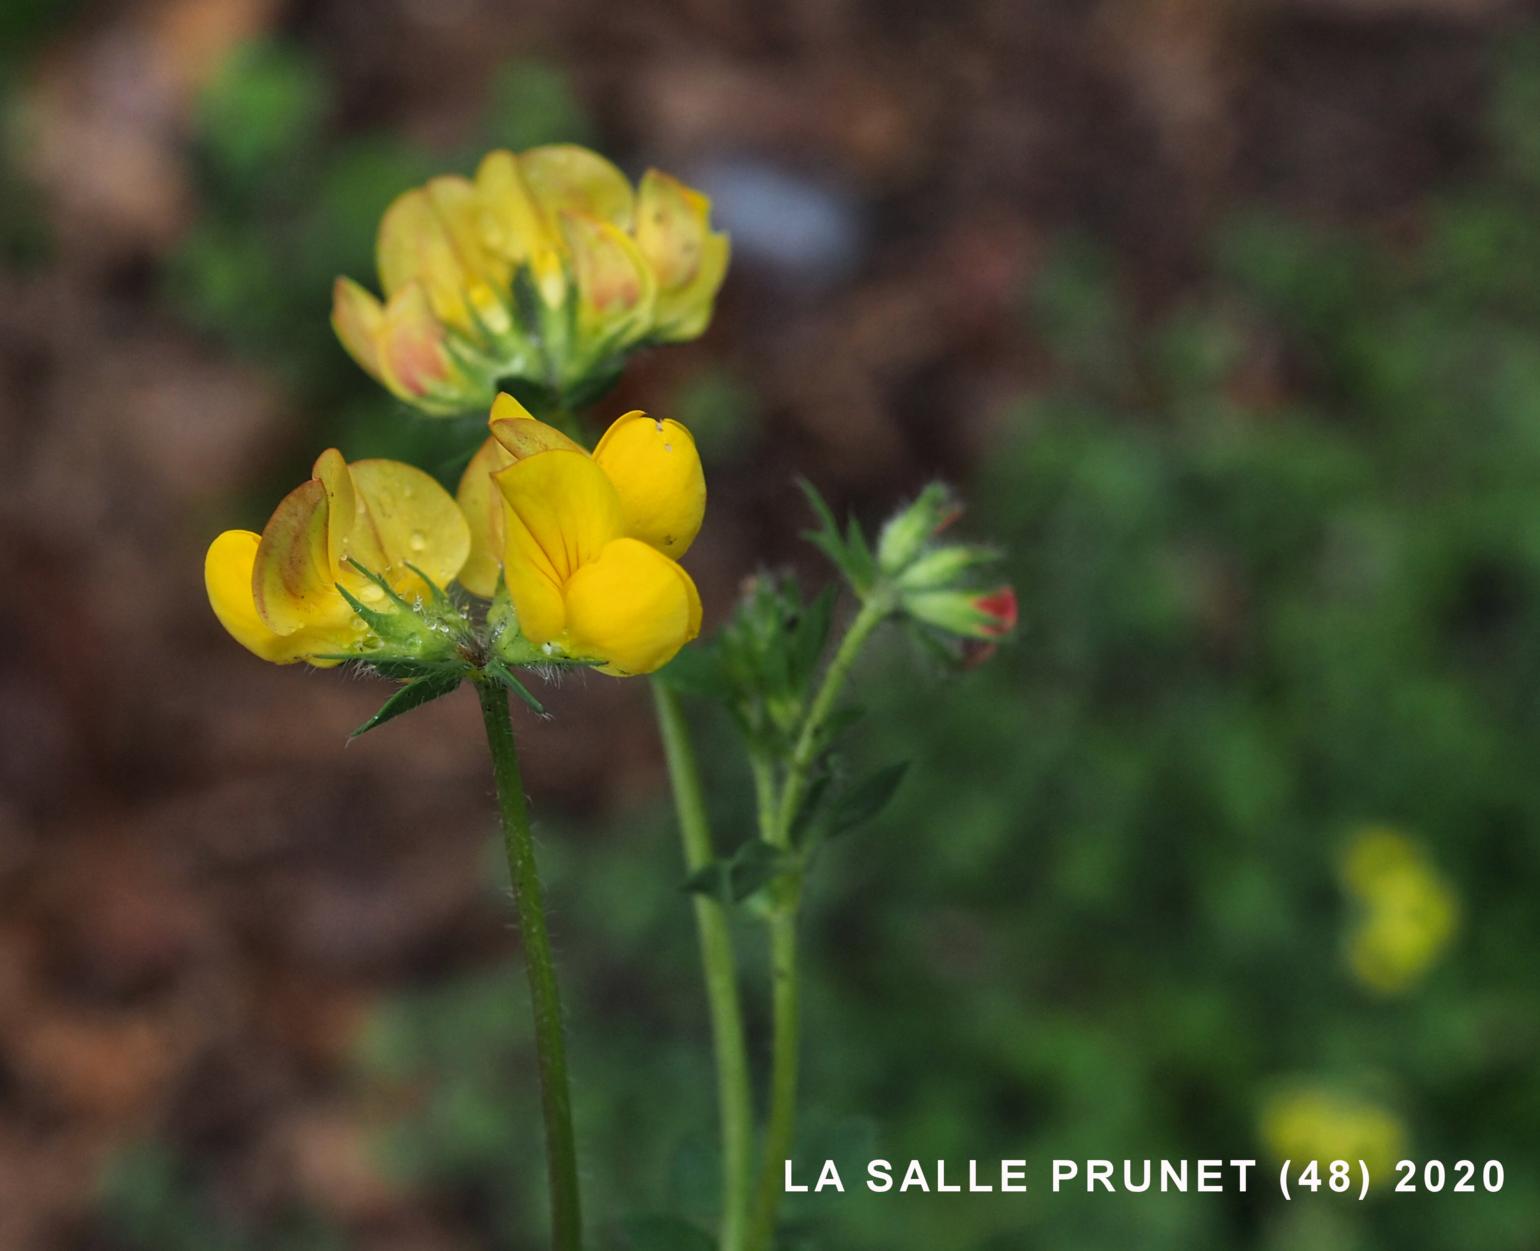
[(566, 178), (405, 517), (671, 228), (516, 428), (633, 608), (657, 473), (506, 408), (484, 275), (562, 511), (413, 360), (331, 471), (512, 222), (227, 573), (532, 586), (357, 318), (415, 247), (685, 313), (616, 289), (482, 505), (292, 582), (673, 233)]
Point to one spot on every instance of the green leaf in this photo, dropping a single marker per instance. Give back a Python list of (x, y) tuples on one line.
[(504, 675), (413, 695), (748, 871), (809, 635), (821, 510), (866, 799)]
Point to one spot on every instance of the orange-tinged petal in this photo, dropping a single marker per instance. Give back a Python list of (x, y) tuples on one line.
[(633, 608), (357, 318), (413, 360), (483, 506), (566, 178), (690, 261), (616, 289), (331, 471), (671, 228), (562, 511), (292, 583), (656, 471), (227, 579), (521, 434)]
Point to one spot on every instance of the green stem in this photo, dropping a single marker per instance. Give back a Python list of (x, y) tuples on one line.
[(781, 1118), (873, 612), (776, 826), (550, 1047), (734, 1100)]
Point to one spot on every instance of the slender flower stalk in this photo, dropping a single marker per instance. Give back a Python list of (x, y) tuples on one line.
[(777, 821), (550, 1046), (719, 962)]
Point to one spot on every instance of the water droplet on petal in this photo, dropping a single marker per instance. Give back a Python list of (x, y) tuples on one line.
[(417, 540)]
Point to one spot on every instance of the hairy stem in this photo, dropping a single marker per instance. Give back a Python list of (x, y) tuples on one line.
[(550, 1046), (719, 963)]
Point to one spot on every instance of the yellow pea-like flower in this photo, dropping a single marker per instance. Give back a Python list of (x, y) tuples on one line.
[(546, 266), (653, 465), (277, 592), (1407, 912), (1313, 1121), (587, 545)]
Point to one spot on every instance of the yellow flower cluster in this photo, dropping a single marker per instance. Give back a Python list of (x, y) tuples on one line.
[(546, 266), (1407, 912), (1317, 1122), (587, 546)]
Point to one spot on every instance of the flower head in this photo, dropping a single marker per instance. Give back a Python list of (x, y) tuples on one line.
[(284, 594), (1317, 1122), (546, 267), (588, 545), (1407, 913)]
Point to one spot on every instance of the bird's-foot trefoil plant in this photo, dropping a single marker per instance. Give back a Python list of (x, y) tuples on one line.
[(539, 276)]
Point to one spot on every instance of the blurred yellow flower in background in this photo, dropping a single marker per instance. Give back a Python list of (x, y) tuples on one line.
[(588, 545), (1316, 1121), (277, 592), (545, 267), (1407, 914)]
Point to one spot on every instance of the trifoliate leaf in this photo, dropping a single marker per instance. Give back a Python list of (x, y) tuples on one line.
[(810, 635)]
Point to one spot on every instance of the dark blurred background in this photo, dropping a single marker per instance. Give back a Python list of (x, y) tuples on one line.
[(1226, 318)]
